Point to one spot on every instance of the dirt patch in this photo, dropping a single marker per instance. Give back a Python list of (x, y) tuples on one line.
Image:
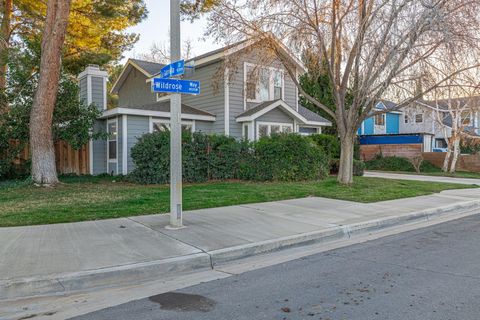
[(183, 302)]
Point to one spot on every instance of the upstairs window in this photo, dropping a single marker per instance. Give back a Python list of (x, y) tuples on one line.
[(263, 84), (419, 118), (406, 118), (380, 120)]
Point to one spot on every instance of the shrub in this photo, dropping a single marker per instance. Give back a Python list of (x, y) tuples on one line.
[(358, 167), (329, 143), (289, 157), (284, 157), (397, 164)]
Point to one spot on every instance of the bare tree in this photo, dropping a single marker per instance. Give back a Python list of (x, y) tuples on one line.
[(160, 53), (456, 118), (372, 48), (41, 141)]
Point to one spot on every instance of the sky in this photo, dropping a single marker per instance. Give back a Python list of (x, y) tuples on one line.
[(156, 26)]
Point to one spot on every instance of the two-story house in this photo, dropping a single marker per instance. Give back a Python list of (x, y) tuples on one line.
[(246, 99)]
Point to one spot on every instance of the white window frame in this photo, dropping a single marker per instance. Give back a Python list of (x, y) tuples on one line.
[(113, 161), (270, 124), (271, 84), (384, 118), (160, 120), (423, 117), (308, 134)]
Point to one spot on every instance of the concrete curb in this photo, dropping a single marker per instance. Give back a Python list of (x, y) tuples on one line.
[(140, 272), (118, 275), (336, 233)]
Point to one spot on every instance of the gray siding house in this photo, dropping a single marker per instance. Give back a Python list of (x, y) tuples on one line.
[(245, 99)]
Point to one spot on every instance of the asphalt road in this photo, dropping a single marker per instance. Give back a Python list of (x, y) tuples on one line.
[(431, 273)]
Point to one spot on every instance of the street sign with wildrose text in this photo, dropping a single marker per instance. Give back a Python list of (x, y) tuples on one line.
[(176, 86)]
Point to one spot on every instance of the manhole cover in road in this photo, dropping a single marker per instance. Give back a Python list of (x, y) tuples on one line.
[(183, 302)]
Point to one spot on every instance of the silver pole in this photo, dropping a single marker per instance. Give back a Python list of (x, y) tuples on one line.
[(175, 125)]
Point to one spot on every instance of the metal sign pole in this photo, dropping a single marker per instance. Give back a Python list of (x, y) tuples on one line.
[(175, 125)]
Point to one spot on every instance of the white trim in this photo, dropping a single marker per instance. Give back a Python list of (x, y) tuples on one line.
[(89, 90), (286, 108), (90, 156), (271, 83), (269, 124), (151, 120), (164, 98), (121, 76), (244, 86), (227, 102), (108, 147), (160, 114), (93, 71), (296, 89), (124, 145)]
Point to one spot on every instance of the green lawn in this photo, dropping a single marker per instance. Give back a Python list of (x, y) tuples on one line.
[(439, 173), (92, 198)]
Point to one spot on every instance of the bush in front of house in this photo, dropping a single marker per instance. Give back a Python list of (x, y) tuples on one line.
[(397, 164), (329, 143), (288, 157), (358, 167), (283, 157)]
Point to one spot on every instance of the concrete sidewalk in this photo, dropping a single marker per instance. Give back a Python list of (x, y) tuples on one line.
[(417, 177), (76, 256)]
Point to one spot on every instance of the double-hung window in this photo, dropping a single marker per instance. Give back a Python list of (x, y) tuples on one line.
[(164, 125), (380, 120), (419, 118), (265, 129), (112, 140), (263, 84)]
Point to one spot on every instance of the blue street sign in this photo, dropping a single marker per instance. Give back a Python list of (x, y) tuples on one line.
[(176, 86), (174, 69)]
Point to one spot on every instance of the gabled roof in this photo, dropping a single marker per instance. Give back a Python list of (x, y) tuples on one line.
[(160, 109), (151, 69), (147, 68), (308, 117)]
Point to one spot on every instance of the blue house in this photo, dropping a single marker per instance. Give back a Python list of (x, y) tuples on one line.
[(385, 123), (395, 132)]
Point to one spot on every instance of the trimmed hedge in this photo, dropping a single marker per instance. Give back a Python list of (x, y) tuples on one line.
[(358, 167), (397, 164), (282, 157)]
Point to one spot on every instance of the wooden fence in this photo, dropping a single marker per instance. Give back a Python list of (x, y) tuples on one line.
[(67, 159), (466, 162)]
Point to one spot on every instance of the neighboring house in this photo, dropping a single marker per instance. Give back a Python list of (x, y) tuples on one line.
[(409, 130), (247, 100)]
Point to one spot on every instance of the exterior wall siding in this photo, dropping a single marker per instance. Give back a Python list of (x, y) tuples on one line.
[(204, 126), (427, 126), (98, 92), (393, 123), (136, 127), (236, 88), (211, 97), (99, 150), (135, 91), (83, 89), (276, 115)]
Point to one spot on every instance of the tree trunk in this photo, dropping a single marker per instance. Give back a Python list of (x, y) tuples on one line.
[(7, 6), (446, 161), (345, 170), (41, 141), (456, 153)]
